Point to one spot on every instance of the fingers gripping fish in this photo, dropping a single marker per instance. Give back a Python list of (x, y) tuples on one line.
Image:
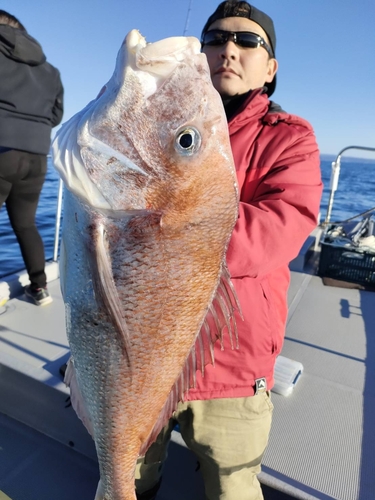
[(150, 205)]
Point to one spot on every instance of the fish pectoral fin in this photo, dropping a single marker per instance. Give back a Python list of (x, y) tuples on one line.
[(78, 403), (108, 292)]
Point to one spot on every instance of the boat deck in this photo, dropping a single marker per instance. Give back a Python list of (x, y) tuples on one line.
[(322, 443)]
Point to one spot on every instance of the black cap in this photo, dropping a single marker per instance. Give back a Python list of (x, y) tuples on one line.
[(234, 8)]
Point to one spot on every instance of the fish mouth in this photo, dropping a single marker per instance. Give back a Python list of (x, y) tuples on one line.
[(171, 49), (134, 41), (159, 58)]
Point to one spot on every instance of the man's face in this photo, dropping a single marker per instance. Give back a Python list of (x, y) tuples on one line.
[(234, 69)]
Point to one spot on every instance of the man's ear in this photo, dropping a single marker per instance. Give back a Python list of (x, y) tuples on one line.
[(271, 70)]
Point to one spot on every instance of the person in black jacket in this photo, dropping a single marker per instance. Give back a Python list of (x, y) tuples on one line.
[(31, 103)]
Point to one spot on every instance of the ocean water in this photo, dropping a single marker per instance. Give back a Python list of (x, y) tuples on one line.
[(355, 194)]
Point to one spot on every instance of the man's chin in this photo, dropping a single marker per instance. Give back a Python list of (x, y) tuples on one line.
[(226, 87), (227, 91), (228, 95)]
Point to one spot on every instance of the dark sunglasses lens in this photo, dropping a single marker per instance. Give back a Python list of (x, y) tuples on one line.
[(215, 38), (218, 37), (247, 40)]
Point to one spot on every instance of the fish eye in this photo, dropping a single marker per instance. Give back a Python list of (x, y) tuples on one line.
[(188, 141)]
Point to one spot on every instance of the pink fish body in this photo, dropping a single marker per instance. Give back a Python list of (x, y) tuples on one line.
[(150, 204)]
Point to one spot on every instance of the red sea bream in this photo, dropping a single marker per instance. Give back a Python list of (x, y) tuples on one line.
[(150, 203)]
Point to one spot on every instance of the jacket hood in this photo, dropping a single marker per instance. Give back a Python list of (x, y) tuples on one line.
[(20, 46)]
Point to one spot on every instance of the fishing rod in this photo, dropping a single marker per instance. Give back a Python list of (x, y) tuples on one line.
[(187, 17)]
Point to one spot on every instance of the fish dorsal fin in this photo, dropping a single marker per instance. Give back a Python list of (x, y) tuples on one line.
[(220, 317)]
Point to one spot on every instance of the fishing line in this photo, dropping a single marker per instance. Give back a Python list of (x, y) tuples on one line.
[(351, 218)]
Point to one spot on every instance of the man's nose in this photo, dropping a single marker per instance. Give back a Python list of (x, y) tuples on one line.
[(229, 50)]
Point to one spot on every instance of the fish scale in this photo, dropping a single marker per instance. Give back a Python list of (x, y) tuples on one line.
[(147, 220)]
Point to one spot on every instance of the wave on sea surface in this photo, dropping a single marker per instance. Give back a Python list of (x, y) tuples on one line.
[(355, 194)]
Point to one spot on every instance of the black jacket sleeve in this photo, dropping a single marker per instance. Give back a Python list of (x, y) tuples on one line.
[(58, 108)]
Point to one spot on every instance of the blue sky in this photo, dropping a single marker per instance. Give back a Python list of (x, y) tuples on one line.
[(325, 49)]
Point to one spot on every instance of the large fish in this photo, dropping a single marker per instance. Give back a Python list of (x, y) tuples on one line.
[(150, 205)]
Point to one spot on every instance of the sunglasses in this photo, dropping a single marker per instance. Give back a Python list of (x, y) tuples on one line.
[(245, 39)]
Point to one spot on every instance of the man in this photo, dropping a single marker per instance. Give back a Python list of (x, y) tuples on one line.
[(31, 103), (227, 418)]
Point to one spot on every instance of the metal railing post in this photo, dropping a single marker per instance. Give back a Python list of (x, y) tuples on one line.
[(335, 178), (58, 221)]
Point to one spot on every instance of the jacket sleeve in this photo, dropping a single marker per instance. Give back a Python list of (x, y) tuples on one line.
[(58, 107), (274, 224)]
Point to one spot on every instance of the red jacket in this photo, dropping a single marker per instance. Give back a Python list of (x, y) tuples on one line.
[(278, 171)]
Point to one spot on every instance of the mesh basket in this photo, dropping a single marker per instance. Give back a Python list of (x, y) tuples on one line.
[(347, 264)]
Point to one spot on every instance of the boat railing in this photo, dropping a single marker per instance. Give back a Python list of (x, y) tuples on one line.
[(58, 221), (336, 166), (58, 217)]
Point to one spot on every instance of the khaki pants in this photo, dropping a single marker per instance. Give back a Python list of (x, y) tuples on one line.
[(228, 436)]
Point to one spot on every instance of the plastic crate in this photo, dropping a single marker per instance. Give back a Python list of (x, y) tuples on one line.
[(347, 264)]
